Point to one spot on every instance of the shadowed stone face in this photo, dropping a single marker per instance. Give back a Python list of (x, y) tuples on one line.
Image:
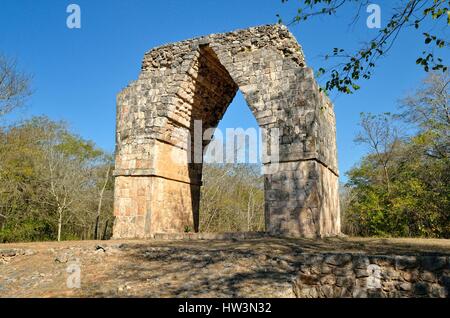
[(157, 190)]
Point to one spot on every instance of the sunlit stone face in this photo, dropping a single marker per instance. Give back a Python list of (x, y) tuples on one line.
[(158, 167)]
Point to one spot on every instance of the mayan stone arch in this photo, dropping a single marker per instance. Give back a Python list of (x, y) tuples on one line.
[(197, 79)]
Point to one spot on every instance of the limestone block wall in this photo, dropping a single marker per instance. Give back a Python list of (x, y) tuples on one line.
[(300, 200), (195, 80), (327, 275), (150, 205)]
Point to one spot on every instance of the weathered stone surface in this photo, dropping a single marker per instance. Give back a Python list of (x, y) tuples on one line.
[(338, 259), (157, 188), (402, 262), (432, 263), (405, 286), (373, 276)]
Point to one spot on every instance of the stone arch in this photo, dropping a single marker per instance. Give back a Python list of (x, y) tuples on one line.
[(197, 79)]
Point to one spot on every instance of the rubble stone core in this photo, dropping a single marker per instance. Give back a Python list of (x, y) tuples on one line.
[(196, 80)]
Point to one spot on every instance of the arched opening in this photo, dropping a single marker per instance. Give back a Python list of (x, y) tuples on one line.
[(232, 195), (231, 198)]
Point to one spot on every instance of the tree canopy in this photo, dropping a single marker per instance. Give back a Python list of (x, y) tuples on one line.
[(402, 186), (429, 17), (51, 183)]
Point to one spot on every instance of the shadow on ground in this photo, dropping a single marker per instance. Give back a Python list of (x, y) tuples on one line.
[(250, 268)]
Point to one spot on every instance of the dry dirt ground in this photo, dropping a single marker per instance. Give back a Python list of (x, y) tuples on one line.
[(263, 267)]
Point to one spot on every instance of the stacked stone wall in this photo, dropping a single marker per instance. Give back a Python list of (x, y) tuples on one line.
[(326, 275)]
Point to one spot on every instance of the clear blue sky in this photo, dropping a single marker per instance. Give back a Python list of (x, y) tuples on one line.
[(77, 73)]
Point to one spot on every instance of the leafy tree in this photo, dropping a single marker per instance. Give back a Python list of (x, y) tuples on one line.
[(417, 201), (53, 184), (49, 183), (20, 185), (413, 15)]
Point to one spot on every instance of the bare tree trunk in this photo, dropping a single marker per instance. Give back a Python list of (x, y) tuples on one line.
[(59, 224), (97, 220), (210, 220), (105, 230), (386, 175), (248, 213), (3, 219), (100, 201)]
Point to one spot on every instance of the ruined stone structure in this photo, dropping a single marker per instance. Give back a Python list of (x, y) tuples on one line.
[(197, 79), (361, 275)]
